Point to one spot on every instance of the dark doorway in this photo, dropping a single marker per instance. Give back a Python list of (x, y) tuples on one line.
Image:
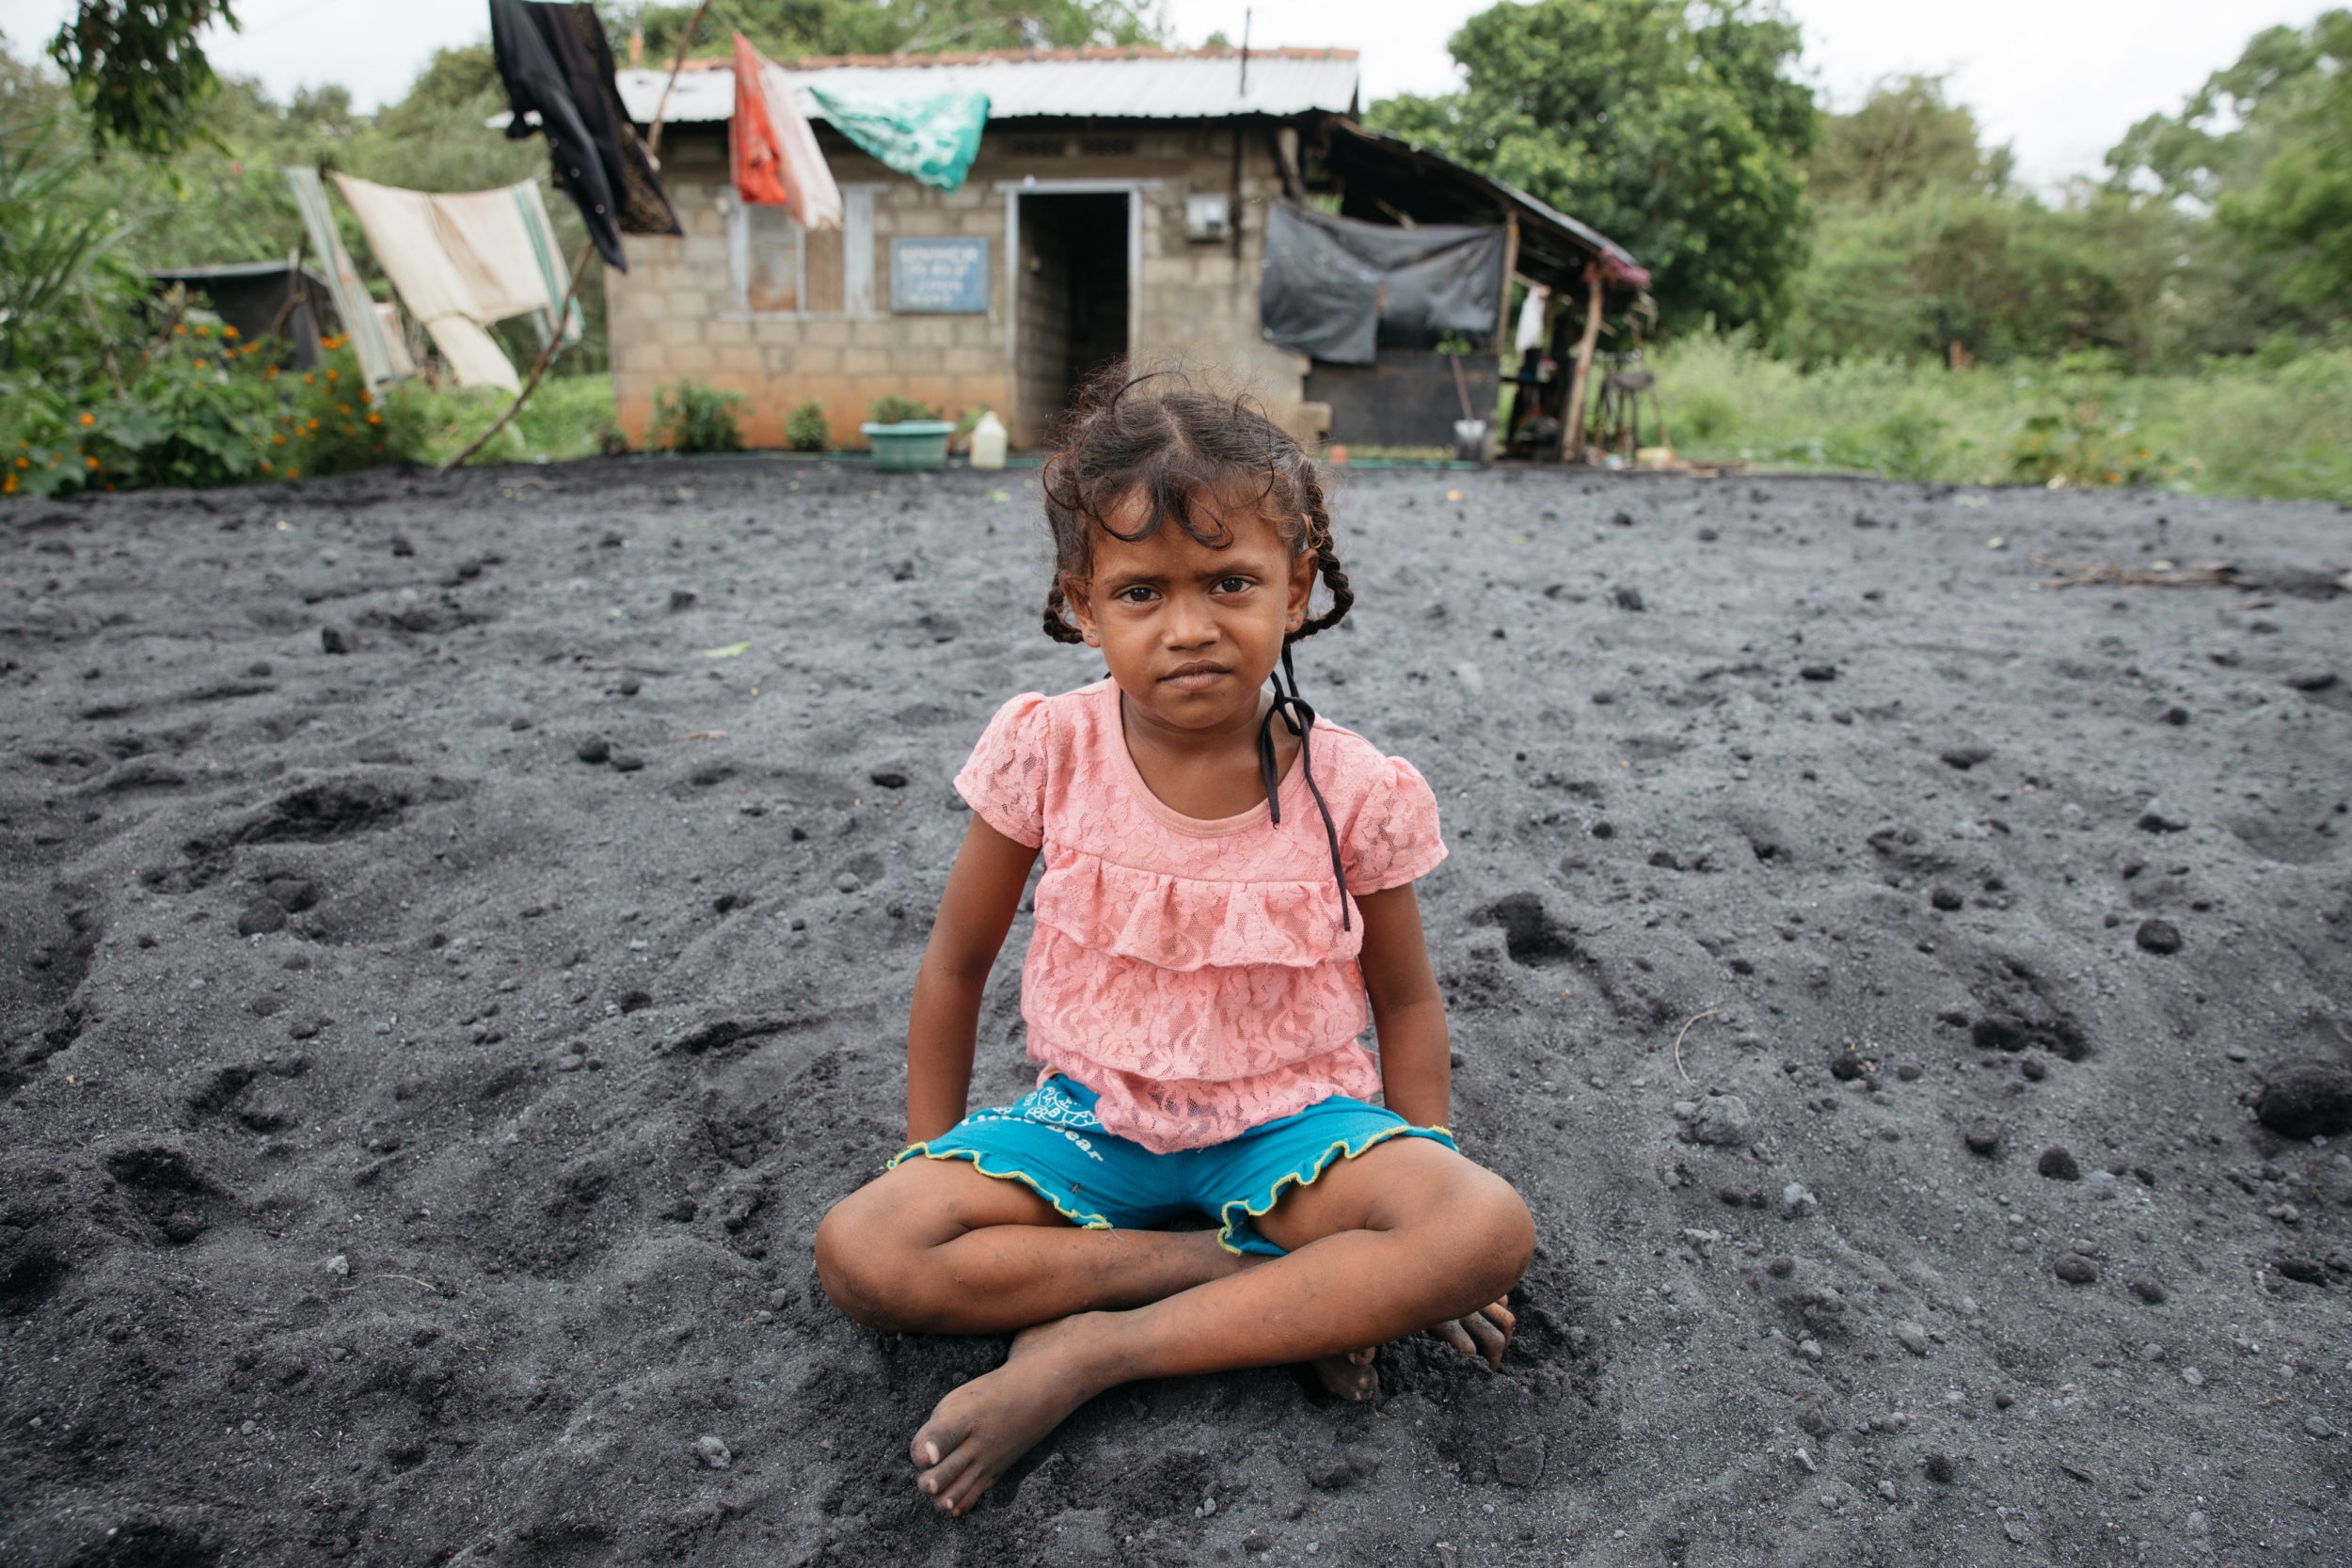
[(1073, 299)]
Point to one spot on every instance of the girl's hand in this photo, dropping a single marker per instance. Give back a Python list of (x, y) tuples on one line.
[(1484, 1334)]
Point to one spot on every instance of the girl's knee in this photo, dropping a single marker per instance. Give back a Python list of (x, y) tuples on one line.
[(858, 1261), (1490, 1224)]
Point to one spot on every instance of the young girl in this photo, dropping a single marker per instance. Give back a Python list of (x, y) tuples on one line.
[(1228, 878)]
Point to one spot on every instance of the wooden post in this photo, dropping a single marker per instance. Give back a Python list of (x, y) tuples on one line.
[(1510, 265), (1572, 427), (685, 43)]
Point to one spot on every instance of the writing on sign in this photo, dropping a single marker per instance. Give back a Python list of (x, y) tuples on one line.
[(939, 277)]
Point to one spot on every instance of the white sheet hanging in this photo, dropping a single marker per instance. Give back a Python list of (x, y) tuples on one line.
[(463, 260)]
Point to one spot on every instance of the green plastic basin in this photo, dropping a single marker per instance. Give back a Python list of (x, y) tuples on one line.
[(916, 444)]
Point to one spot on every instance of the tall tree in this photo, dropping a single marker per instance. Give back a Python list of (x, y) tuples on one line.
[(2265, 144), (1677, 128), (137, 67)]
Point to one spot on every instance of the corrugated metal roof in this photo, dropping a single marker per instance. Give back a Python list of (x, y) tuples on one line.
[(1108, 84)]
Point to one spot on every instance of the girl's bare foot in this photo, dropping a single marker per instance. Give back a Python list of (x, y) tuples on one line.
[(1484, 1334), (1348, 1377), (979, 1430)]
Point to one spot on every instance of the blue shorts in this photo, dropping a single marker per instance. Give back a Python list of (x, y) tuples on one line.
[(1049, 1141)]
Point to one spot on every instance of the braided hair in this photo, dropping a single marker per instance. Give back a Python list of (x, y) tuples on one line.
[(1157, 438)]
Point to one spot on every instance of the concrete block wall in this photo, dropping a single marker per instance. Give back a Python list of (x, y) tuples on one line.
[(674, 314)]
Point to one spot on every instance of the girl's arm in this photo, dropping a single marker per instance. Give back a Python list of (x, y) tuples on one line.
[(983, 894), (1416, 1061)]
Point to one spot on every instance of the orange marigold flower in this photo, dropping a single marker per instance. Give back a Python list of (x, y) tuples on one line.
[(309, 380), (199, 364), (280, 439), (313, 425), (23, 462), (93, 463), (203, 331), (8, 485), (333, 374), (342, 408), (88, 419), (180, 330), (227, 331), (294, 473), (375, 418)]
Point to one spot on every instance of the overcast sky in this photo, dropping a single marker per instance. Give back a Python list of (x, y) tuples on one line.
[(2060, 79)]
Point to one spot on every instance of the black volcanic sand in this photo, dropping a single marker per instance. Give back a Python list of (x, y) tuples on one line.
[(414, 1132)]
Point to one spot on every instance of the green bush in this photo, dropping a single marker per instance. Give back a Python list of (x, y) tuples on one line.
[(694, 416), (806, 429), (890, 408), (200, 408), (2274, 424)]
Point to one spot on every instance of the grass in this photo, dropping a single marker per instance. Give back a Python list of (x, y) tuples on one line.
[(568, 416), (2277, 425)]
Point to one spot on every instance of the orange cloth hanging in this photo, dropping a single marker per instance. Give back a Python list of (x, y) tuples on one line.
[(751, 148)]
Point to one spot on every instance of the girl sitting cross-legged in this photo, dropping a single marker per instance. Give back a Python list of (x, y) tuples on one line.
[(1229, 881)]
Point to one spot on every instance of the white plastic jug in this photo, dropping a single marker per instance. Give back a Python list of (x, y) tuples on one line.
[(988, 441)]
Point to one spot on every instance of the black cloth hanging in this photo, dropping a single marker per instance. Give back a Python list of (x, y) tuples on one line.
[(558, 71)]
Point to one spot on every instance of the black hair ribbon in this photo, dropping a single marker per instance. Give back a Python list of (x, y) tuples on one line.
[(1301, 719)]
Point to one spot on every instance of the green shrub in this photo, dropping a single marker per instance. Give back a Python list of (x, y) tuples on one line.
[(890, 408), (694, 416), (200, 408), (805, 428)]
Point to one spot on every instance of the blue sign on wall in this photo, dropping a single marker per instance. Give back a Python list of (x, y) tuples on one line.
[(939, 277)]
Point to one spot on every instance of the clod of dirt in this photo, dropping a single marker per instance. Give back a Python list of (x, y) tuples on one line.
[(1520, 1462), (2306, 1099), (1818, 672), (2058, 1165), (1946, 899), (335, 640), (1983, 1138), (1941, 1468), (2158, 936), (2074, 1267), (261, 918), (1965, 757), (595, 751), (1629, 598)]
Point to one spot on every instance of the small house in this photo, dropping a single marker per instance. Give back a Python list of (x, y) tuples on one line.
[(1119, 205)]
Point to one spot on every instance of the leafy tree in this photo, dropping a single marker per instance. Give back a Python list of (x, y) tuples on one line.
[(1675, 128), (1906, 137), (139, 69)]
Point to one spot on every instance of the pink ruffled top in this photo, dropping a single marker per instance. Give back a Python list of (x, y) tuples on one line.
[(1194, 973)]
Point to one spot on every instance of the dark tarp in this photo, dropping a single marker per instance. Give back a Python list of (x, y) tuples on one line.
[(558, 71), (263, 299), (1334, 289)]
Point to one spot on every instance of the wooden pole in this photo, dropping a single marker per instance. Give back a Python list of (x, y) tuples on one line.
[(686, 41), (1572, 428), (547, 356)]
